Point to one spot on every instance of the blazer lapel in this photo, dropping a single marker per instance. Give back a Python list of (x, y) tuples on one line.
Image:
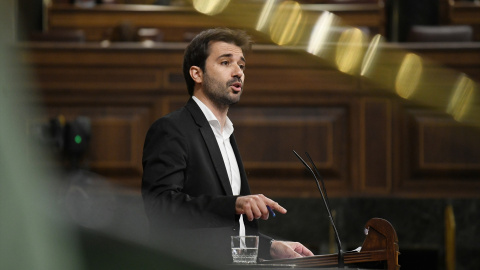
[(212, 145)]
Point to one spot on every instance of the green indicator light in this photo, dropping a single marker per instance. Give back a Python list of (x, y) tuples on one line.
[(78, 139)]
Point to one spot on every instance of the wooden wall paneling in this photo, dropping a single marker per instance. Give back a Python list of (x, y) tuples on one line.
[(435, 87), (446, 146), (443, 11), (267, 133), (398, 147), (97, 22), (464, 12), (171, 103), (174, 79), (291, 80), (441, 156), (176, 23), (179, 23), (96, 54), (99, 78), (101, 82), (469, 54), (283, 57), (444, 57), (458, 57), (376, 145), (117, 137), (112, 134), (352, 130)]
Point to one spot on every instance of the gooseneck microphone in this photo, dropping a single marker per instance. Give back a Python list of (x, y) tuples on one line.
[(325, 201)]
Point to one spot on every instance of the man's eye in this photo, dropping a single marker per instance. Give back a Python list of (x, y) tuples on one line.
[(242, 67), (225, 63)]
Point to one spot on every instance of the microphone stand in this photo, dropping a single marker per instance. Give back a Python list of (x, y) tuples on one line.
[(339, 245)]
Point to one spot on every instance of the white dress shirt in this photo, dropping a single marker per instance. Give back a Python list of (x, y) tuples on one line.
[(223, 140)]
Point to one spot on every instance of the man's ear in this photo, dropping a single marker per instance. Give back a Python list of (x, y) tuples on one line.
[(196, 74)]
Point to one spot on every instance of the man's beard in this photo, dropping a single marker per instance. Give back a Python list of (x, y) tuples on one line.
[(220, 94)]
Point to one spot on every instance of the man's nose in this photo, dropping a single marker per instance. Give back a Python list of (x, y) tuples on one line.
[(238, 71)]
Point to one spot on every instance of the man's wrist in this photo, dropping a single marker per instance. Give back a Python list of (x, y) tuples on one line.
[(270, 249)]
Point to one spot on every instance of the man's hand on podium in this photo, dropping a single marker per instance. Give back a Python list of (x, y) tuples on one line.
[(255, 206), (287, 250)]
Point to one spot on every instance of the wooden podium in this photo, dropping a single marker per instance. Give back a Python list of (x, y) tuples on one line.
[(379, 247)]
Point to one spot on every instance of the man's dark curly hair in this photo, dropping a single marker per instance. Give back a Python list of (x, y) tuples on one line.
[(198, 50)]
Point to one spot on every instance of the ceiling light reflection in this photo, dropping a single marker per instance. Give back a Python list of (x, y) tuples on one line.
[(285, 22), (462, 97), (265, 15), (210, 7), (409, 75), (349, 50), (319, 34), (371, 54)]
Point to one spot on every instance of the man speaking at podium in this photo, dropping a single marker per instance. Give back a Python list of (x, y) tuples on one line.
[(194, 185)]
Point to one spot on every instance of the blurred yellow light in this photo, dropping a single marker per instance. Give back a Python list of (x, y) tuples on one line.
[(370, 55), (349, 50), (210, 7), (409, 75), (285, 22), (267, 10), (462, 97), (320, 32)]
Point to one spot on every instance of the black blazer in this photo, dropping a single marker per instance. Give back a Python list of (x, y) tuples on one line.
[(185, 184)]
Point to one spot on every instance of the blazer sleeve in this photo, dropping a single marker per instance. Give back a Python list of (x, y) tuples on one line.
[(170, 199)]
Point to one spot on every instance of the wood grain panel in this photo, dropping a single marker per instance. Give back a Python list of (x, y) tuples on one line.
[(445, 145), (97, 22), (376, 145), (174, 79), (364, 142), (440, 156), (178, 23), (291, 80), (145, 16), (111, 55), (267, 135), (98, 78), (117, 135), (464, 12)]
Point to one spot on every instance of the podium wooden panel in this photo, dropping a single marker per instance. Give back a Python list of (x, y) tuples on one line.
[(380, 246)]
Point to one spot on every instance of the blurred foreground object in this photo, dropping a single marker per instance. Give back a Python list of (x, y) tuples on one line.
[(32, 235)]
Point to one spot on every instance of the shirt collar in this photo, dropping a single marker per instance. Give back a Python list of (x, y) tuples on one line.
[(228, 128)]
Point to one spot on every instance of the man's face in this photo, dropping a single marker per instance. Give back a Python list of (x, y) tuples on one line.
[(223, 76)]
